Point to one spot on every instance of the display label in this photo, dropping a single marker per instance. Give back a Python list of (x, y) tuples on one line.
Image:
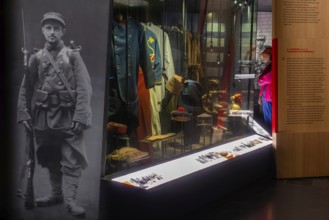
[(303, 42)]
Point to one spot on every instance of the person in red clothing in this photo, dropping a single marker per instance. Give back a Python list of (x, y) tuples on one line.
[(265, 82)]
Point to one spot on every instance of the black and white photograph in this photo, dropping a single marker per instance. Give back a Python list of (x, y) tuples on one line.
[(57, 91)]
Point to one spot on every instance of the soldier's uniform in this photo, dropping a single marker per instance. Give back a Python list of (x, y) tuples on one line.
[(53, 110)]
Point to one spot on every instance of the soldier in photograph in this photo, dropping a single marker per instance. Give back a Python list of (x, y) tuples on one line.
[(60, 111), (260, 44)]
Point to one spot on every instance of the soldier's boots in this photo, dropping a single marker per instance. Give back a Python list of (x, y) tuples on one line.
[(56, 196), (49, 200), (74, 209), (71, 185)]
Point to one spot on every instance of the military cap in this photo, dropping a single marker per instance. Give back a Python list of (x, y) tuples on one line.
[(261, 37), (53, 16)]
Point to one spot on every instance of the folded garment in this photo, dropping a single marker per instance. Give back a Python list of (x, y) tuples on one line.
[(159, 137), (127, 154)]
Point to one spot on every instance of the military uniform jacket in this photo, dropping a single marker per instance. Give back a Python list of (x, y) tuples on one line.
[(124, 72), (59, 116), (43, 78), (129, 52)]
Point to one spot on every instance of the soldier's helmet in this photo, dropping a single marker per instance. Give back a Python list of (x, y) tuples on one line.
[(53, 16)]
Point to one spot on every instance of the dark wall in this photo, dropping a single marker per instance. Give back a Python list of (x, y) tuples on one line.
[(87, 25)]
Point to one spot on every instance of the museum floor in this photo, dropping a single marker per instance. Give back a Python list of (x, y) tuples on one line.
[(294, 199), (266, 199)]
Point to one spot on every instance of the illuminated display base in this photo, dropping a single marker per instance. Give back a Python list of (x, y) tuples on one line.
[(177, 168), (181, 185)]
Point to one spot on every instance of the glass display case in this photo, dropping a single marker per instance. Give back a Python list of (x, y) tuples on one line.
[(181, 133), (180, 83)]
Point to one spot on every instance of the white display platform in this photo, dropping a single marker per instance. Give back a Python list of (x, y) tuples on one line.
[(157, 175)]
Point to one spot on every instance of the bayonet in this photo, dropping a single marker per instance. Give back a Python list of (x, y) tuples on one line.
[(24, 49)]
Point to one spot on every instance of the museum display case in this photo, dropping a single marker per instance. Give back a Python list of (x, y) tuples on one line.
[(187, 96), (181, 78)]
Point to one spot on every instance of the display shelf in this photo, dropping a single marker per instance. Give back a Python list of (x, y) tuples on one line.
[(160, 174)]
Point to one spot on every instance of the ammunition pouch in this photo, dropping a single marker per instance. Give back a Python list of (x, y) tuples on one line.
[(41, 98), (66, 99), (46, 100)]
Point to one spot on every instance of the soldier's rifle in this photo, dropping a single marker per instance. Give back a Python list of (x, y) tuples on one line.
[(29, 165)]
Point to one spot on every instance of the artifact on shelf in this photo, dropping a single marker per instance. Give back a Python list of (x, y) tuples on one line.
[(116, 128), (204, 119), (128, 154), (236, 101), (181, 115)]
